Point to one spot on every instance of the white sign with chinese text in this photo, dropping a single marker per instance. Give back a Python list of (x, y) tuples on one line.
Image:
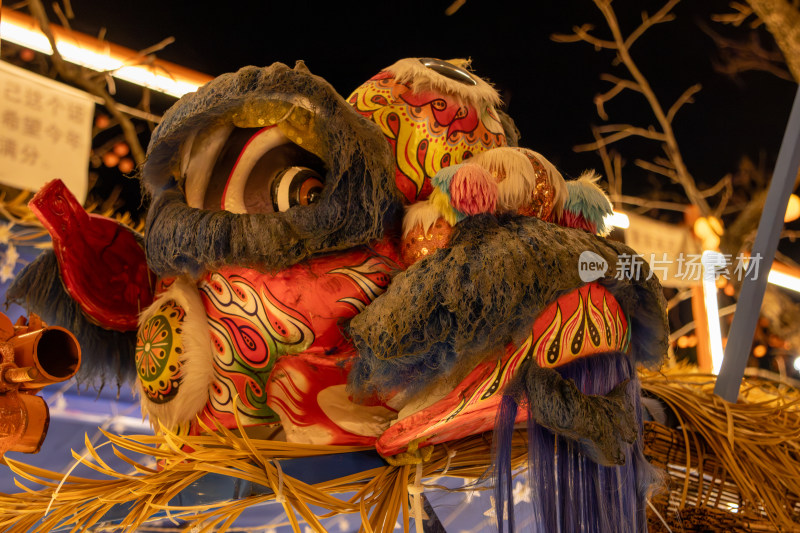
[(670, 250), (45, 132)]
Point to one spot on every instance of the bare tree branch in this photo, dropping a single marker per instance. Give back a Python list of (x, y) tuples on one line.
[(613, 128), (651, 204), (786, 260), (68, 9), (746, 64), (681, 295), (792, 235), (627, 131), (662, 15), (658, 169), (723, 203), (673, 151), (613, 168), (782, 19), (724, 183), (685, 98), (618, 163), (619, 86), (640, 84), (737, 56), (581, 33), (76, 75), (664, 162), (455, 6), (686, 328), (61, 16), (741, 13), (616, 79), (157, 47)]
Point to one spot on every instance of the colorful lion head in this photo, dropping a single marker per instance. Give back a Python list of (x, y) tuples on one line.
[(434, 114)]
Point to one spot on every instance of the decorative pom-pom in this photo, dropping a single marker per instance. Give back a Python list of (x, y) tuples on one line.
[(587, 199), (473, 190), (443, 178), (569, 219)]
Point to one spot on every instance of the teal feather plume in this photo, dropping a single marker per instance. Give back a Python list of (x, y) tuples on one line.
[(586, 198)]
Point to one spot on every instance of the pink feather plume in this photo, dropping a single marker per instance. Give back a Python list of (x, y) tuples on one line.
[(473, 190)]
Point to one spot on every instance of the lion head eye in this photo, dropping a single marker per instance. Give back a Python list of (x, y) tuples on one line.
[(296, 186)]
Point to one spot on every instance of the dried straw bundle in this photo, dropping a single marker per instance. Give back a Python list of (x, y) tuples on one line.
[(16, 210), (738, 458), (731, 467), (379, 493)]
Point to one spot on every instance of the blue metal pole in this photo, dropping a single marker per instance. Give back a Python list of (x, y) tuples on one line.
[(751, 295)]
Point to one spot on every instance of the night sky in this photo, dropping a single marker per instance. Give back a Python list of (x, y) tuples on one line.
[(547, 86)]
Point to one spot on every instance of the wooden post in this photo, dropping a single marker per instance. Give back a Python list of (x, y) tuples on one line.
[(701, 328)]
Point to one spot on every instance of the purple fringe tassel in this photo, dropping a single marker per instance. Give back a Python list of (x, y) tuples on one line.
[(569, 492)]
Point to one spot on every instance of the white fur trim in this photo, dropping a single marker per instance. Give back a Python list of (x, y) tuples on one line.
[(197, 361), (420, 78), (591, 176), (420, 213)]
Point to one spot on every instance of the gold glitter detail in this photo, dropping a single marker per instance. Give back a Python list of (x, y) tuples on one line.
[(418, 244), (296, 122), (541, 202)]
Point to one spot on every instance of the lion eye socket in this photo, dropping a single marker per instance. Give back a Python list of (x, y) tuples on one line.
[(251, 170)]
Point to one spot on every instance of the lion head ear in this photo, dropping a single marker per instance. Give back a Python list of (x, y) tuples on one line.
[(300, 66)]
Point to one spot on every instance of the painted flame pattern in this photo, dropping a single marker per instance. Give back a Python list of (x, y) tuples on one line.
[(427, 131), (588, 329), (288, 396), (503, 372), (372, 278), (249, 331)]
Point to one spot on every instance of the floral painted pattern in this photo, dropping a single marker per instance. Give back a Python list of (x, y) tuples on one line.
[(158, 352)]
